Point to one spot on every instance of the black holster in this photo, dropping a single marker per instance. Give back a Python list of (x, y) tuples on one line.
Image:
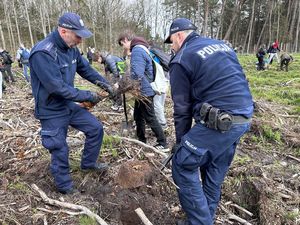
[(214, 118)]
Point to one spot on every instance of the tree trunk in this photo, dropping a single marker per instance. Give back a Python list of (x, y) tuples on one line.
[(286, 32), (8, 25), (250, 27), (198, 18), (16, 20), (2, 36), (28, 22), (270, 23), (297, 31), (43, 19), (236, 13), (278, 22), (206, 2), (264, 26), (292, 26), (220, 26)]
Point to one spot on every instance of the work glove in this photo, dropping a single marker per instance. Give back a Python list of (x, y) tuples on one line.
[(108, 88), (113, 95), (95, 98), (175, 148)]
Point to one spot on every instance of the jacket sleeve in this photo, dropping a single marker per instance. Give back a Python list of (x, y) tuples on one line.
[(87, 72), (181, 95), (51, 78), (137, 63)]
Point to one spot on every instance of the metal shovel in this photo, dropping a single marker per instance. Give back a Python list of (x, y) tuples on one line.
[(126, 126)]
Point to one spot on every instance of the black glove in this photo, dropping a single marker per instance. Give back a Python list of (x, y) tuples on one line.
[(108, 89), (113, 95), (95, 98), (175, 148)]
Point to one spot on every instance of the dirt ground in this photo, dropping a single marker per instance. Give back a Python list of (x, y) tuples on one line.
[(262, 186)]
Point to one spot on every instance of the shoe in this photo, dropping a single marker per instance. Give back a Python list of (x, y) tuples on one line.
[(182, 222), (161, 148), (99, 167), (120, 109), (69, 191), (115, 107)]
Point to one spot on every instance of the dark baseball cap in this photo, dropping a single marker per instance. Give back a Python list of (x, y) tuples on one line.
[(180, 24), (73, 22)]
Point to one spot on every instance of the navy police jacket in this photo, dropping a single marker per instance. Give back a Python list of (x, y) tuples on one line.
[(53, 66), (206, 71)]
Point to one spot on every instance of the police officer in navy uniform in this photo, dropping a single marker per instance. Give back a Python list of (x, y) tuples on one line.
[(209, 86), (53, 64)]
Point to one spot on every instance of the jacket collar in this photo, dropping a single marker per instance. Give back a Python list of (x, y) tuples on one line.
[(190, 37), (61, 44)]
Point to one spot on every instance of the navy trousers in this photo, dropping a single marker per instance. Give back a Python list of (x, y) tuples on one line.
[(54, 133), (204, 153)]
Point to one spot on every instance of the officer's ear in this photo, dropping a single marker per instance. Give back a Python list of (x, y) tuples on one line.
[(62, 31)]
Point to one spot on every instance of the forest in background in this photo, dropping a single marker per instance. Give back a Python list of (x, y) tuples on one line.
[(246, 24)]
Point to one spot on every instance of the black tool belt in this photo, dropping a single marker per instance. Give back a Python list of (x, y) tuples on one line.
[(216, 119)]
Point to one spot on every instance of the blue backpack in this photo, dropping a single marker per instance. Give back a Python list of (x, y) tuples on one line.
[(25, 56)]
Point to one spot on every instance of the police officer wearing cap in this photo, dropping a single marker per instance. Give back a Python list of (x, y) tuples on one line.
[(209, 86), (53, 64)]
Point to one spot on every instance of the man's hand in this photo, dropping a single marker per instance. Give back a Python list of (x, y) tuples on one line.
[(113, 95), (175, 148), (92, 101), (95, 98)]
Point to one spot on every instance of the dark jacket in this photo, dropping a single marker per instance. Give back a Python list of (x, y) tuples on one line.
[(206, 71), (261, 52), (141, 66), (53, 66), (273, 49), (110, 64), (5, 59)]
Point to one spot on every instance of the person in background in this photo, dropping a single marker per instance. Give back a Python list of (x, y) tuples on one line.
[(23, 58), (285, 60), (53, 64), (5, 65), (273, 52), (260, 57), (159, 100), (90, 55), (142, 70), (208, 85), (116, 66)]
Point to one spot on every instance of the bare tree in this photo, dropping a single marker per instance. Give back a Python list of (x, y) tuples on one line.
[(250, 26), (16, 21), (237, 10), (28, 21), (297, 30), (2, 36), (206, 13), (220, 25)]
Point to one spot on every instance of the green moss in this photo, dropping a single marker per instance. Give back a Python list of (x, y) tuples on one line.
[(110, 144), (241, 160), (270, 134), (85, 220)]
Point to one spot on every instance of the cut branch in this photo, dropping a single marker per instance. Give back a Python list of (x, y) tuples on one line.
[(142, 216), (82, 209), (141, 144)]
